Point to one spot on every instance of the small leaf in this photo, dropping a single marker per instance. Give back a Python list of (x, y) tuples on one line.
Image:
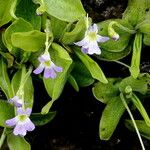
[(5, 15), (6, 112), (17, 143), (139, 85), (110, 118), (69, 10), (73, 82), (111, 45), (36, 38), (47, 107), (92, 66), (26, 9), (135, 62), (81, 74), (143, 128), (105, 92), (76, 34), (41, 119), (19, 25), (4, 80)]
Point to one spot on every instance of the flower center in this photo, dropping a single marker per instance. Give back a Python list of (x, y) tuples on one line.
[(22, 117), (47, 63), (92, 36)]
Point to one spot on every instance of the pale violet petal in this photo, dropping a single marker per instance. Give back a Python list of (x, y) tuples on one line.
[(49, 73), (39, 69), (84, 50), (28, 111), (28, 125), (102, 38), (94, 48), (58, 68), (93, 28), (11, 122), (19, 130), (82, 42), (44, 58), (20, 111)]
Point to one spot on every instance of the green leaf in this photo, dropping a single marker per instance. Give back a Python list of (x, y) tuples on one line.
[(111, 45), (17, 143), (47, 107), (73, 82), (76, 34), (136, 11), (138, 85), (4, 80), (136, 55), (5, 7), (81, 74), (108, 55), (58, 27), (61, 58), (92, 66), (41, 119), (6, 112), (22, 79), (105, 92), (110, 118), (26, 9), (19, 25), (35, 37), (143, 128), (146, 40), (69, 10)]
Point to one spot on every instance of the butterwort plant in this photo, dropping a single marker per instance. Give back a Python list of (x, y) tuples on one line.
[(55, 42)]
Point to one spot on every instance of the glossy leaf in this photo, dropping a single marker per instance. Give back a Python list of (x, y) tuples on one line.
[(92, 66), (81, 74), (5, 15), (6, 112), (111, 45), (76, 34), (143, 128), (36, 38), (17, 143), (4, 80), (26, 9), (138, 85), (136, 11), (136, 56), (19, 25), (110, 118), (73, 82), (41, 119), (69, 10), (106, 92)]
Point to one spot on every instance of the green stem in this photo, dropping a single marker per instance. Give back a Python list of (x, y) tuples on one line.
[(133, 120), (2, 139)]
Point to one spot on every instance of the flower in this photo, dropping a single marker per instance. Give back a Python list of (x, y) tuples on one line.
[(21, 122), (48, 66), (90, 41), (16, 101)]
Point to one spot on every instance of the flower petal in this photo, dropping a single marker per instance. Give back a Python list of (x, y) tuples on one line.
[(28, 125), (82, 42), (28, 111), (44, 58), (39, 69), (49, 73), (93, 28), (102, 38), (58, 69), (11, 122), (94, 48), (19, 130)]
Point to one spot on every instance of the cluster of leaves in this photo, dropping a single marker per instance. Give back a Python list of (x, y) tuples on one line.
[(22, 41)]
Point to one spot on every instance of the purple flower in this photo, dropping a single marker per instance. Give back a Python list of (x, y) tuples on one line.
[(90, 41), (48, 66), (16, 101), (21, 122)]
